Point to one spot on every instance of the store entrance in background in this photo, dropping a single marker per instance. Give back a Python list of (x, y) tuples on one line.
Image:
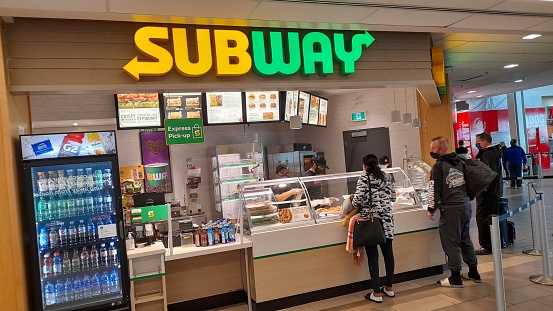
[(359, 143)]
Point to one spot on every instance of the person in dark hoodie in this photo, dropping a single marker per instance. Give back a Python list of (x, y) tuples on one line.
[(448, 193), (487, 202)]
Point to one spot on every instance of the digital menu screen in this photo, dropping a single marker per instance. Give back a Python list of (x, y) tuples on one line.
[(224, 108), (291, 106), (314, 110), (182, 105), (323, 110), (262, 106), (303, 107), (140, 110)]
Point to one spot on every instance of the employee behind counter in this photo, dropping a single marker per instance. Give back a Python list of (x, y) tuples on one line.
[(318, 167), (285, 191)]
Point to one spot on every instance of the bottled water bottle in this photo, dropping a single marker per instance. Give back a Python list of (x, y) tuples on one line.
[(89, 205), (77, 288), (96, 285), (114, 281), (69, 295), (106, 288), (100, 208), (87, 288), (60, 291), (57, 266), (47, 266), (49, 294), (54, 238), (112, 253)]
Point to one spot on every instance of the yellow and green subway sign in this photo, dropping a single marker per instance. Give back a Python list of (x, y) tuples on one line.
[(233, 53)]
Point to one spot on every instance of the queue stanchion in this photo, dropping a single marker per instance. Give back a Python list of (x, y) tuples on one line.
[(534, 251), (545, 278), (498, 265)]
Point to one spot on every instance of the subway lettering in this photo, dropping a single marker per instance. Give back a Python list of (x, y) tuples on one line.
[(233, 53)]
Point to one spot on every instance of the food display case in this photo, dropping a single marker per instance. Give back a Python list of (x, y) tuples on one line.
[(291, 223), (418, 173), (233, 165)]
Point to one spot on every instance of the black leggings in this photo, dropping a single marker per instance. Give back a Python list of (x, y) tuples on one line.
[(372, 256)]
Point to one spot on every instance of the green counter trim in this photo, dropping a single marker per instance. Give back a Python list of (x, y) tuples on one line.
[(331, 245), (148, 277)]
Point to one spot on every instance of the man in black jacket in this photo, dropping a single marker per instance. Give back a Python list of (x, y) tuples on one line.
[(448, 193), (487, 202)]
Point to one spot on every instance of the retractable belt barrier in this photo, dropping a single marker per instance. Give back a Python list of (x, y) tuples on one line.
[(544, 279)]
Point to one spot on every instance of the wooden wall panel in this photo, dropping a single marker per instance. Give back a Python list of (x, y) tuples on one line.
[(69, 55), (14, 112), (435, 121)]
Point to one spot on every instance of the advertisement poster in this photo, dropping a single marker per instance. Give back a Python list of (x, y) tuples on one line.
[(303, 104), (138, 111), (462, 130), (224, 107), (536, 129), (184, 131), (487, 121), (262, 106), (182, 105), (323, 110), (314, 110), (155, 158), (50, 146), (291, 108)]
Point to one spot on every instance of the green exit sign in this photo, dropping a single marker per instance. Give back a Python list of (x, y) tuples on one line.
[(358, 116)]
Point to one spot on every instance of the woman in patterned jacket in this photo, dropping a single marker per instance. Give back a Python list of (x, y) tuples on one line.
[(374, 196)]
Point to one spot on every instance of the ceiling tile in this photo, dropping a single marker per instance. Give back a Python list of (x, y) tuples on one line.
[(534, 6), (317, 13), (498, 22), (465, 4), (412, 18)]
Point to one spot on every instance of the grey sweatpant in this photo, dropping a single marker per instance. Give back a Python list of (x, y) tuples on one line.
[(455, 237)]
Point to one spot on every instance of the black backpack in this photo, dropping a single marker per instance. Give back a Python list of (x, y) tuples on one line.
[(477, 176)]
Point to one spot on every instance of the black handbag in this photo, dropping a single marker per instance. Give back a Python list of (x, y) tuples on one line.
[(368, 232)]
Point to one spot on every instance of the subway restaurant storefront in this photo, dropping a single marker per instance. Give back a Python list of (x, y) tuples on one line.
[(49, 58)]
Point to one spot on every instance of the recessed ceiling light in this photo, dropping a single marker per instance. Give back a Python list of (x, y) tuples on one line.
[(470, 92), (532, 36), (75, 123), (479, 96), (519, 80), (510, 66)]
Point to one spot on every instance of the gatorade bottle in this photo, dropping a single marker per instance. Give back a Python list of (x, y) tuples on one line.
[(43, 239), (231, 233), (210, 238), (57, 267)]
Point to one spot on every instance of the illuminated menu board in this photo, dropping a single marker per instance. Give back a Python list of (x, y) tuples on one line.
[(323, 109), (314, 110), (141, 110), (303, 107), (182, 105), (224, 108), (291, 106), (262, 106)]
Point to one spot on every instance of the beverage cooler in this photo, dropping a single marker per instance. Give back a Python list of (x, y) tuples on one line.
[(73, 222)]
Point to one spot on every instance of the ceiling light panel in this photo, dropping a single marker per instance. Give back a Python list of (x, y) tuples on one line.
[(532, 36), (510, 66)]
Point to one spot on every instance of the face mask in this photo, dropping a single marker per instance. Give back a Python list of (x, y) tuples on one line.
[(478, 146), (318, 171), (434, 155)]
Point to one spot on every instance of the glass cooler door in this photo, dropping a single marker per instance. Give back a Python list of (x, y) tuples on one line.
[(76, 231)]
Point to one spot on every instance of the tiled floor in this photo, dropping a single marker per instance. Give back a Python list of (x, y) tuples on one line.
[(423, 295)]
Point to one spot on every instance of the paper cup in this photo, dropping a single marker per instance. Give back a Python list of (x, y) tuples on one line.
[(156, 174)]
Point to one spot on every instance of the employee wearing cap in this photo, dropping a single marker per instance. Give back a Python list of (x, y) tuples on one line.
[(284, 191), (318, 167)]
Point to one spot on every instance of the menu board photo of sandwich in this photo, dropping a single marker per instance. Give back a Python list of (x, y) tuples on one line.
[(323, 109), (141, 110), (303, 106), (262, 106), (224, 107), (182, 105), (291, 107), (314, 110)]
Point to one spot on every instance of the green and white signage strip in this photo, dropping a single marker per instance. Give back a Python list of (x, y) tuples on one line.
[(184, 131), (149, 213)]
